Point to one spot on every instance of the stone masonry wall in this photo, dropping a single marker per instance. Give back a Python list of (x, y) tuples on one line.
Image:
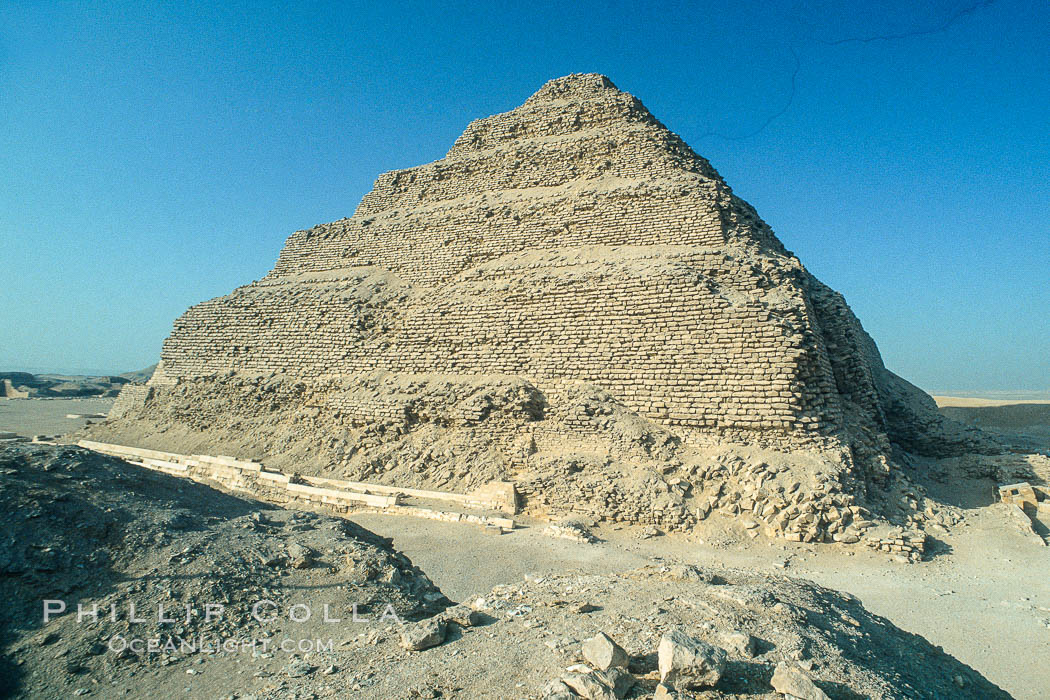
[(430, 244), (682, 336), (573, 239)]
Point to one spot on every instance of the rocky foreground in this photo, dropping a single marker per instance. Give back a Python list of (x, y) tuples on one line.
[(87, 529), (83, 529)]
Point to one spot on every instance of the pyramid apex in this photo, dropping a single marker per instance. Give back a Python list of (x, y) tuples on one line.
[(574, 86)]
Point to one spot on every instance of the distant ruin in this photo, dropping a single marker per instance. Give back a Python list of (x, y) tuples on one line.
[(571, 299)]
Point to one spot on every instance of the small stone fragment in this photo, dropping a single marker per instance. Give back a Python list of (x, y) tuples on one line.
[(589, 685), (423, 635), (619, 679), (685, 572), (463, 615), (298, 668), (298, 551), (556, 690), (663, 692)]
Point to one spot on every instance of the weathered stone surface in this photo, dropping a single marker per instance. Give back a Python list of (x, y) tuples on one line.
[(423, 635), (556, 690), (611, 684), (463, 615), (664, 692), (619, 679), (792, 682), (589, 685), (686, 662), (740, 642), (603, 653)]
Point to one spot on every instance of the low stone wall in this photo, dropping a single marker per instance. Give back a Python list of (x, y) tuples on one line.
[(329, 494)]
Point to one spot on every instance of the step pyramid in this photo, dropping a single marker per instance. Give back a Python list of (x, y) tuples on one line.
[(570, 282)]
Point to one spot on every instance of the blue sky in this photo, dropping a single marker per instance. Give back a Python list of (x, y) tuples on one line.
[(158, 154)]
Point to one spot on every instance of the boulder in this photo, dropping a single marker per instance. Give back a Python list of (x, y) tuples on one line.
[(792, 682), (603, 653), (687, 662), (589, 685), (740, 642)]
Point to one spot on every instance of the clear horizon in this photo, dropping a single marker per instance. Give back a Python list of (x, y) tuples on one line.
[(158, 157)]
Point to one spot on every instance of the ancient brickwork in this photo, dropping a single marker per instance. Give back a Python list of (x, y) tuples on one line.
[(684, 338), (310, 325), (680, 335), (583, 165), (572, 239), (430, 244), (130, 399)]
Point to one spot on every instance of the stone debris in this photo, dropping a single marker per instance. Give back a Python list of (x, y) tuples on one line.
[(114, 534), (571, 530), (463, 615), (686, 662), (664, 693), (792, 682), (297, 668), (301, 557), (195, 543), (595, 685), (910, 545), (557, 690)]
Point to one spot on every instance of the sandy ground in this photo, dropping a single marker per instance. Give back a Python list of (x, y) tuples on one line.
[(987, 602), (985, 599), (974, 402), (31, 417)]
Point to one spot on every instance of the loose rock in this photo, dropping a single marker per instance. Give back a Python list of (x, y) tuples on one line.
[(423, 635), (603, 653), (687, 662), (792, 682)]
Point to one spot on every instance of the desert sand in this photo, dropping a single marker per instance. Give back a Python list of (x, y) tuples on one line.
[(976, 402)]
